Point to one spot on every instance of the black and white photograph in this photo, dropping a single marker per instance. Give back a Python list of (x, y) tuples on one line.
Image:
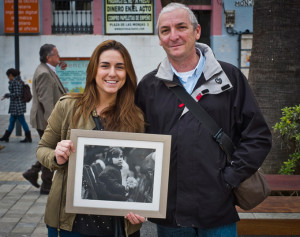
[(115, 172), (118, 173)]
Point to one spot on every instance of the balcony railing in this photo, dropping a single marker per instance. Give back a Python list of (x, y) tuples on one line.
[(72, 17)]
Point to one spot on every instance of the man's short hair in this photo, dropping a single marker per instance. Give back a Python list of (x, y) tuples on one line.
[(46, 50), (173, 6)]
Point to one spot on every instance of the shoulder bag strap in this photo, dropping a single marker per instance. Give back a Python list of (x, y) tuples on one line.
[(218, 134)]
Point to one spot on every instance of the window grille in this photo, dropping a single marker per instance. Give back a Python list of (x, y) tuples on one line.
[(72, 17)]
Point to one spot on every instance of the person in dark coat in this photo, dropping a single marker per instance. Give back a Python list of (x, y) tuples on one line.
[(17, 107), (201, 181), (111, 176)]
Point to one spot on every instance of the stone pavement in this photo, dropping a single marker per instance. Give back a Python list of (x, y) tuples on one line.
[(21, 205)]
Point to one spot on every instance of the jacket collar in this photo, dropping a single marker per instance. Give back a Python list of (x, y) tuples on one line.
[(211, 67), (55, 77), (216, 80)]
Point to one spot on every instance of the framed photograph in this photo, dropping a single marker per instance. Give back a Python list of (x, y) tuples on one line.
[(114, 173)]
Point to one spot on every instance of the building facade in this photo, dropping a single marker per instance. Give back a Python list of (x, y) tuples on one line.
[(76, 27)]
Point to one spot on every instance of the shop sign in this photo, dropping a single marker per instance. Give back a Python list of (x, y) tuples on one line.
[(244, 3), (129, 17), (28, 16)]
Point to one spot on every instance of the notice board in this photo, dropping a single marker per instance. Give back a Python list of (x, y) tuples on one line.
[(129, 17), (28, 16), (72, 73)]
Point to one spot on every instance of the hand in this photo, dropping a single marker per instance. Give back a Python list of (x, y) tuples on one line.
[(135, 218), (3, 97), (63, 151)]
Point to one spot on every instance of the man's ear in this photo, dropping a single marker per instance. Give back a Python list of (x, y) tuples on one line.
[(47, 59), (198, 32)]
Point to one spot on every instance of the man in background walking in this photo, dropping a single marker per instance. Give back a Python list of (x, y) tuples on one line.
[(46, 90)]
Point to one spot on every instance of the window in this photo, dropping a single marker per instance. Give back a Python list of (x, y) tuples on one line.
[(204, 21), (72, 17)]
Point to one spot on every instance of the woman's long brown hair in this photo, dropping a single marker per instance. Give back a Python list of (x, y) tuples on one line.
[(124, 115)]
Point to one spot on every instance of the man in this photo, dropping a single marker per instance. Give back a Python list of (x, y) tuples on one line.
[(46, 90), (200, 198)]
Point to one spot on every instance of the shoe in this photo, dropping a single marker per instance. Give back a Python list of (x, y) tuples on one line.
[(5, 137), (31, 179), (27, 137), (44, 191)]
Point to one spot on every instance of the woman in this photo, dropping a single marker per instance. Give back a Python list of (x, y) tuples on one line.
[(17, 107), (108, 97)]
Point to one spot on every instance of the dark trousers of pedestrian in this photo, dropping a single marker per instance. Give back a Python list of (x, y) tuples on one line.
[(21, 119), (32, 174)]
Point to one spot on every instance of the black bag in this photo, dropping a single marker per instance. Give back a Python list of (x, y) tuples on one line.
[(251, 191), (26, 96)]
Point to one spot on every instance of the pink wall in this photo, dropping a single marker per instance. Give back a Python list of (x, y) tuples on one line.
[(97, 17), (46, 17), (216, 15), (216, 19)]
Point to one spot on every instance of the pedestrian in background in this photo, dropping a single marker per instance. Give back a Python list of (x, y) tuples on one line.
[(107, 103), (200, 193), (46, 90), (17, 107)]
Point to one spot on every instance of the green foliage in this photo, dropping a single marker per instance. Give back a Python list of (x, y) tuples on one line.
[(289, 129)]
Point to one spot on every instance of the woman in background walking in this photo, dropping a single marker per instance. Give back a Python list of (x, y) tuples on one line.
[(17, 107)]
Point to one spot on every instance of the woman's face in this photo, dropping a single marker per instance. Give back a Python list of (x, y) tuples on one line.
[(118, 159), (111, 73), (10, 77)]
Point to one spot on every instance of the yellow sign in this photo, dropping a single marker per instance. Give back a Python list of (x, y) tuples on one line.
[(28, 16), (129, 17)]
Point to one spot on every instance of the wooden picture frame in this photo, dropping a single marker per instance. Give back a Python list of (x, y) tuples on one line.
[(92, 187)]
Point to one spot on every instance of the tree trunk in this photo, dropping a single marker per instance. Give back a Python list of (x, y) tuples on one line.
[(275, 65)]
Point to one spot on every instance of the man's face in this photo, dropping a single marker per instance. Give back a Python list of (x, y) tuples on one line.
[(53, 58), (176, 34)]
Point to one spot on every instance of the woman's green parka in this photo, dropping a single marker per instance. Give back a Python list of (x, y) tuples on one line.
[(59, 128)]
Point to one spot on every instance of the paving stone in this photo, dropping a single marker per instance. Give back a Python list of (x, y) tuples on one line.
[(42, 199), (2, 212), (7, 203), (2, 195), (31, 195), (13, 215), (24, 228), (37, 208), (28, 218), (22, 205), (40, 231), (16, 211), (19, 235), (10, 219), (6, 187), (6, 227)]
